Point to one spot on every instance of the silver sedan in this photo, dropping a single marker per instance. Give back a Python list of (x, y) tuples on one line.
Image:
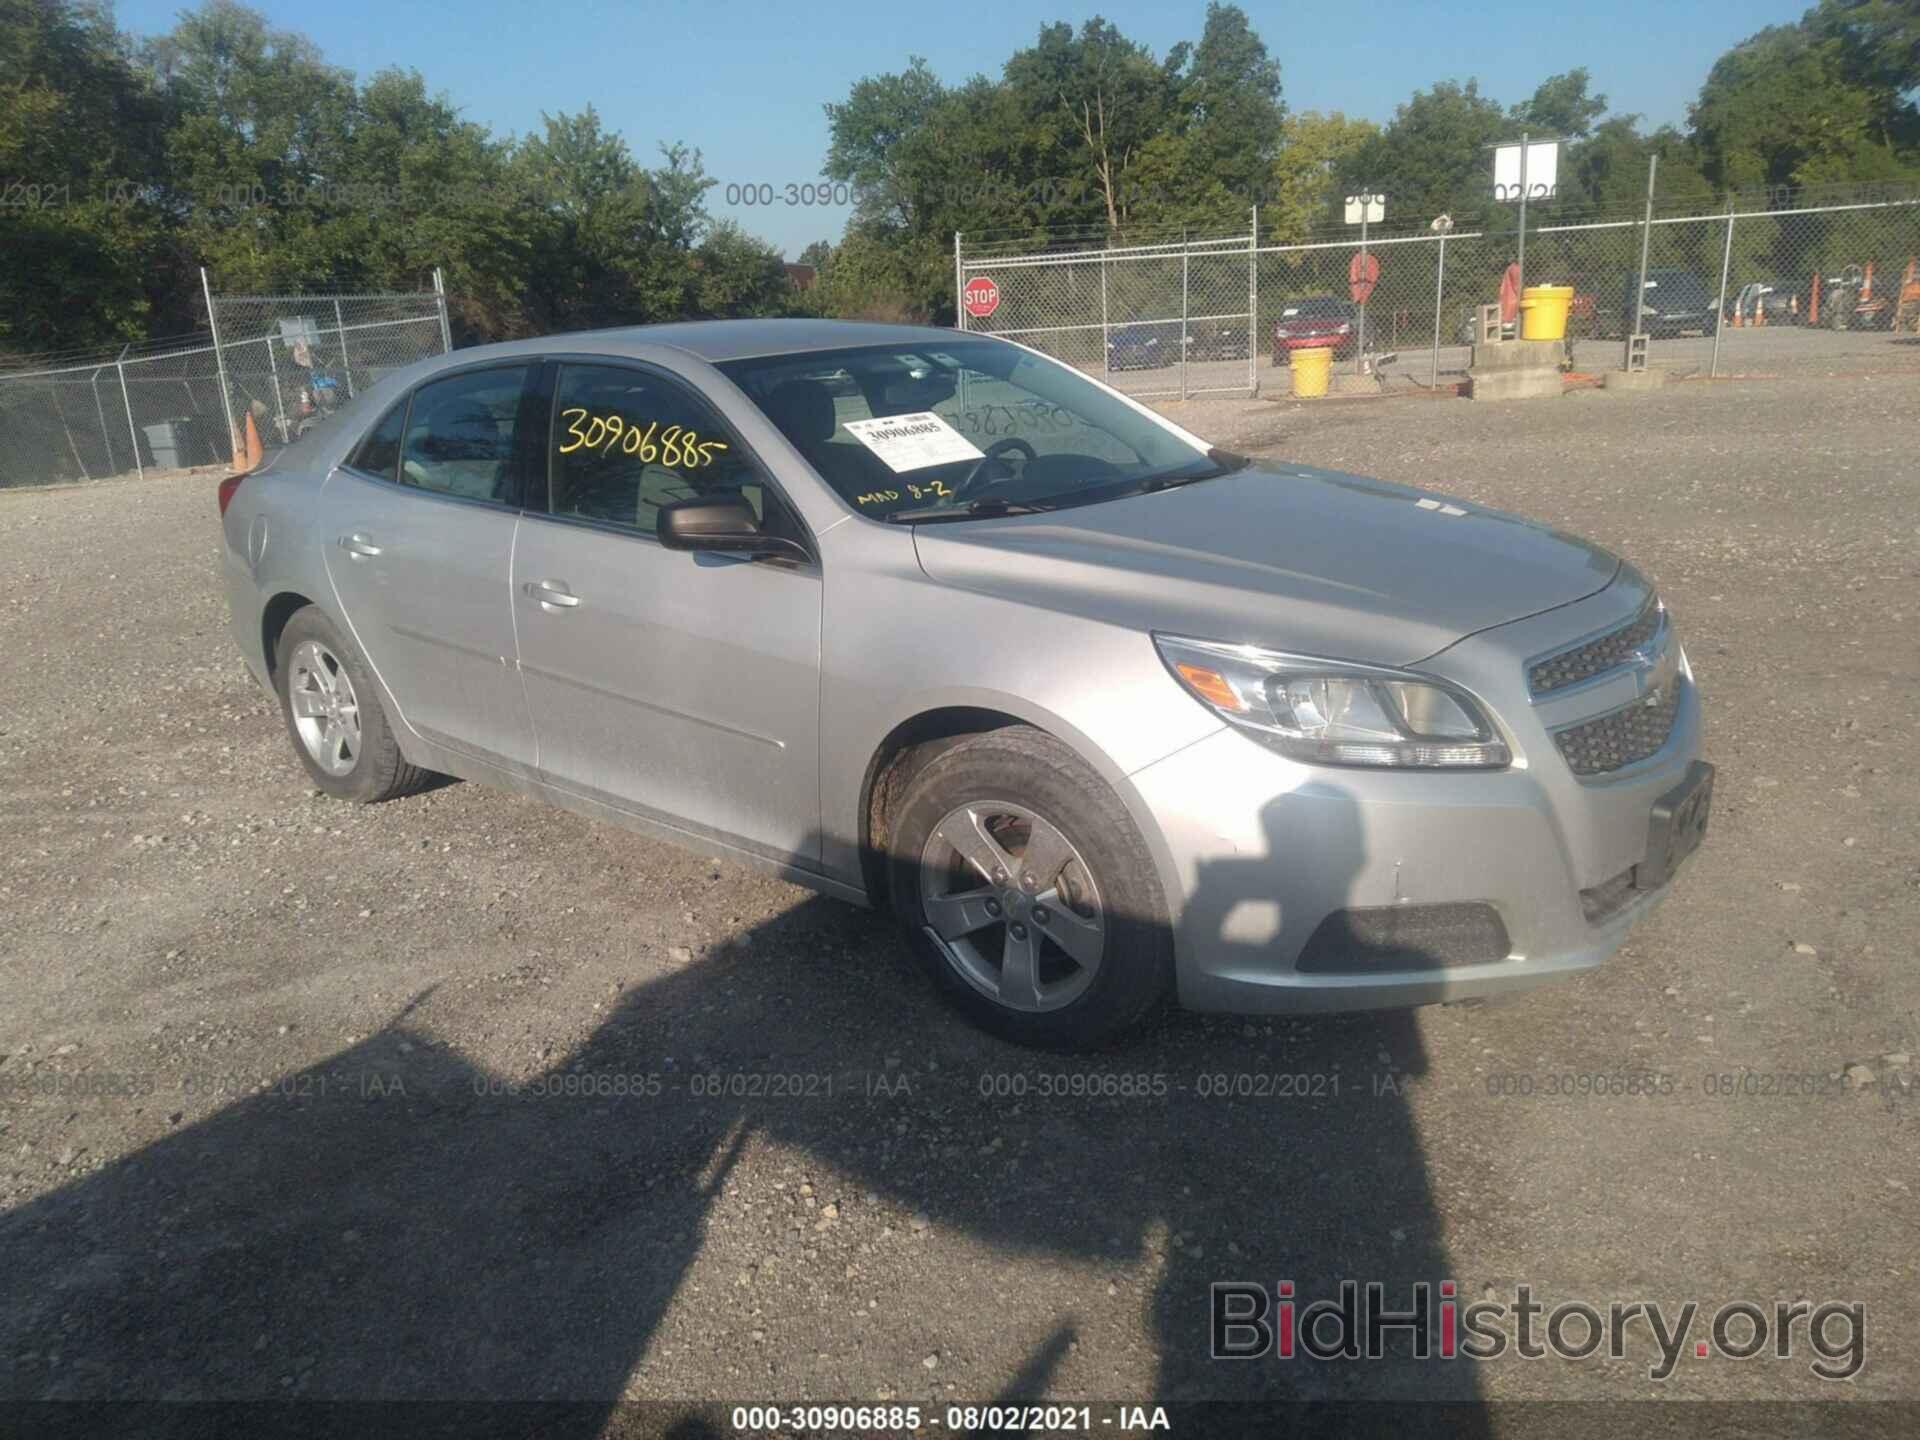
[(933, 622)]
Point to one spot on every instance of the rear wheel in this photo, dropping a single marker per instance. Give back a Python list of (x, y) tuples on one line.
[(334, 717), (1029, 892)]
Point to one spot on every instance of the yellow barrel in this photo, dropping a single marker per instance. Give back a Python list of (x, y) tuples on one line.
[(1543, 311), (1312, 367)]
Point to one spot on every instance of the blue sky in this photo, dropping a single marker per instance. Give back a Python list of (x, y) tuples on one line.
[(744, 82)]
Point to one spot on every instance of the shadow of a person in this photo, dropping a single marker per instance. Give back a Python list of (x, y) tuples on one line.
[(389, 1225)]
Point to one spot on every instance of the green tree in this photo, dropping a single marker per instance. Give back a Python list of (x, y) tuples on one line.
[(1231, 95), (1434, 157), (1562, 106), (1303, 184), (82, 244)]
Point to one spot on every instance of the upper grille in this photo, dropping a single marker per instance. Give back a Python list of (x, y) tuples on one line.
[(1583, 662), (1611, 742)]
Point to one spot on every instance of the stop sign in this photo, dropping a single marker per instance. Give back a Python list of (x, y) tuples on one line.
[(1362, 272), (981, 297)]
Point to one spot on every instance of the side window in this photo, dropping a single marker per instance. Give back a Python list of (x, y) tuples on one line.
[(625, 442), (460, 435), (379, 453)]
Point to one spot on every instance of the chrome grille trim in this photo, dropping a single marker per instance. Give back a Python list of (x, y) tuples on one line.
[(1591, 659)]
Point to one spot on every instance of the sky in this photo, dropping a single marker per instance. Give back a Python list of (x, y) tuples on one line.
[(744, 82)]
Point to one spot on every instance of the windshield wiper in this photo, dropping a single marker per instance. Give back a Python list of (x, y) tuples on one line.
[(985, 506), (1225, 462)]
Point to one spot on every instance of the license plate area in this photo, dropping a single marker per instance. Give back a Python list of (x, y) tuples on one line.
[(1676, 827)]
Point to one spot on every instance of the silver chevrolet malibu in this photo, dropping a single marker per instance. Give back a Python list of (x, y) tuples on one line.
[(935, 622)]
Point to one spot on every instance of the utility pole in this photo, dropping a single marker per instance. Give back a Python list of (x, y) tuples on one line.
[(1646, 235), (1520, 260)]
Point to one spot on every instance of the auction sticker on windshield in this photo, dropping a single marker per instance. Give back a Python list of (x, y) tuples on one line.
[(913, 442)]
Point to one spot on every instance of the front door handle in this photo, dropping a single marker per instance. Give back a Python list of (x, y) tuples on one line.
[(359, 546), (552, 594)]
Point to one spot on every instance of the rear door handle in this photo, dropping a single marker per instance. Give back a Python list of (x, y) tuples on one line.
[(358, 545), (552, 594)]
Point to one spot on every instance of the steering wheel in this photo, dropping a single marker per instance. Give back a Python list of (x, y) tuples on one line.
[(994, 451)]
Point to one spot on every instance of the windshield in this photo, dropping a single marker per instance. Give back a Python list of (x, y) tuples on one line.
[(1316, 307), (958, 429)]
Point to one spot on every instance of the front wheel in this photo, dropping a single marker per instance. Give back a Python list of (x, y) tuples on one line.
[(1030, 893)]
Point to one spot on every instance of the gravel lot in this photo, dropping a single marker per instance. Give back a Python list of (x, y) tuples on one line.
[(284, 1159)]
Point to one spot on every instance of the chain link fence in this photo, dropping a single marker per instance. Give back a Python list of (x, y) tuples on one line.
[(283, 361), (1757, 288)]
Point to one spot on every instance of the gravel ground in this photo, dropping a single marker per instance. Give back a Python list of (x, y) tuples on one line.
[(462, 1096)]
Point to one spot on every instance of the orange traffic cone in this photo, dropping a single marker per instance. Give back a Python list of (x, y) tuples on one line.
[(256, 452)]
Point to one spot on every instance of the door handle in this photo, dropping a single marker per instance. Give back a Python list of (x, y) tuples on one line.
[(552, 594), (359, 546)]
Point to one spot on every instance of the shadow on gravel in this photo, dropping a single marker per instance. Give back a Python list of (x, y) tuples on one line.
[(389, 1224)]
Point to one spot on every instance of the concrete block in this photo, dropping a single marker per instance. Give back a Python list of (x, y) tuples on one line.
[(1634, 379), (1519, 355), (1513, 384)]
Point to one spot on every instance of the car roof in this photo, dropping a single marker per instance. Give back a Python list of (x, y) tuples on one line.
[(720, 340)]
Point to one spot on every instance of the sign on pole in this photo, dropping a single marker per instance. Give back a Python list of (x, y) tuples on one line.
[(981, 297), (1363, 273), (1366, 209), (1536, 176)]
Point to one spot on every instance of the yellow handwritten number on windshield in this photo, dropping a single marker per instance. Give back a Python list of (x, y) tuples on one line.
[(678, 448)]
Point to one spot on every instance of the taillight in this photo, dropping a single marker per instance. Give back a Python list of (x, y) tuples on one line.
[(227, 487)]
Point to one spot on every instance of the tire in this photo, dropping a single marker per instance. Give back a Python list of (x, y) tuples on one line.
[(1104, 885), (348, 749)]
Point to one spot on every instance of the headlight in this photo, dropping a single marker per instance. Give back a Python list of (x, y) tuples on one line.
[(1331, 712)]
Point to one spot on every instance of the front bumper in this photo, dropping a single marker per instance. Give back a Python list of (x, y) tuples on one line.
[(1265, 849)]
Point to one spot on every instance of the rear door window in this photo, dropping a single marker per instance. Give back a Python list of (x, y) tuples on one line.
[(379, 453), (462, 432)]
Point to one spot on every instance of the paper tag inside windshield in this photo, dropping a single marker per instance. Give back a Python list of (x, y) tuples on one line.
[(913, 442)]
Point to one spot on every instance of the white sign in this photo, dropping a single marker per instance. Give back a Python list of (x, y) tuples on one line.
[(913, 442), (1371, 208), (1543, 170)]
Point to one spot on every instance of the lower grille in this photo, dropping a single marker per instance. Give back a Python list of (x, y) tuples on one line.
[(1608, 898), (1405, 937), (1612, 742)]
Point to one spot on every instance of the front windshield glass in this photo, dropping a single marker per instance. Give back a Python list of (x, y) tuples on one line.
[(977, 426)]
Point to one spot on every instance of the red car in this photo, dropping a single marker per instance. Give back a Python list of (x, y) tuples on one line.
[(1326, 321)]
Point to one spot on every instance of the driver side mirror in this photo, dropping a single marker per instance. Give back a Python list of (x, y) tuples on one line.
[(722, 523)]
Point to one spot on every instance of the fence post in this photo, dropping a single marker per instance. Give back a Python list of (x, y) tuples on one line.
[(1184, 253), (440, 304), (1520, 257), (1106, 342), (1720, 315), (340, 329), (959, 288), (1646, 236), (279, 405), (100, 411), (133, 434), (1253, 301), (1439, 303), (219, 359)]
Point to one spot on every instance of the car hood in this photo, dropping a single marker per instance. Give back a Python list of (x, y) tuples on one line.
[(1311, 561)]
